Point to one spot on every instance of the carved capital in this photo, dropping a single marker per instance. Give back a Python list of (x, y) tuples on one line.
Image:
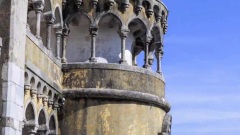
[(93, 30), (150, 61), (58, 32), (38, 5), (148, 39), (123, 33), (65, 32), (50, 19), (33, 93)]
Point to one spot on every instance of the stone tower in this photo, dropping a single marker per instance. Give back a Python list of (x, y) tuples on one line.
[(69, 67)]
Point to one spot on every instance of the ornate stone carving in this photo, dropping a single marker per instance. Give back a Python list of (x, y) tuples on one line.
[(167, 122), (110, 3), (33, 93), (138, 9), (78, 3), (124, 5)]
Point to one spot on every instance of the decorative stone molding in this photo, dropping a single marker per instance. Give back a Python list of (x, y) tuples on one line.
[(118, 94)]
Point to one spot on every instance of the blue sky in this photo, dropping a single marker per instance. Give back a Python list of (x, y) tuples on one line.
[(201, 66)]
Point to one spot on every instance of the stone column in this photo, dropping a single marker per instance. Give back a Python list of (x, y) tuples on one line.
[(38, 6), (13, 32), (123, 35), (58, 42), (159, 54), (93, 32), (148, 40), (50, 20), (65, 33)]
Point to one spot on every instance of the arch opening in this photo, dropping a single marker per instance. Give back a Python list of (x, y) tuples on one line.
[(79, 40), (108, 50), (138, 32)]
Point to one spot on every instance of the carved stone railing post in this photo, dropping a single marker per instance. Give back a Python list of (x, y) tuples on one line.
[(38, 6), (58, 42), (50, 20), (123, 35), (93, 32), (65, 33), (148, 40), (159, 54)]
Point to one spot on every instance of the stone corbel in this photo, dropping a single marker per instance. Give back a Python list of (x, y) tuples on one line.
[(31, 126), (138, 8), (78, 3), (124, 5), (164, 25), (50, 103), (33, 93), (158, 17), (45, 100), (110, 4), (149, 12), (27, 89)]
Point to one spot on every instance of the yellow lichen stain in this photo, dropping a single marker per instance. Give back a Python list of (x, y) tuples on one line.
[(104, 117), (132, 130)]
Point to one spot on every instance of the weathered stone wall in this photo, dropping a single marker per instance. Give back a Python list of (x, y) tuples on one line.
[(38, 58), (110, 117), (13, 16), (112, 76)]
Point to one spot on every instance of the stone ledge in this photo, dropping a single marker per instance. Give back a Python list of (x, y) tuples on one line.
[(111, 66), (118, 94)]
